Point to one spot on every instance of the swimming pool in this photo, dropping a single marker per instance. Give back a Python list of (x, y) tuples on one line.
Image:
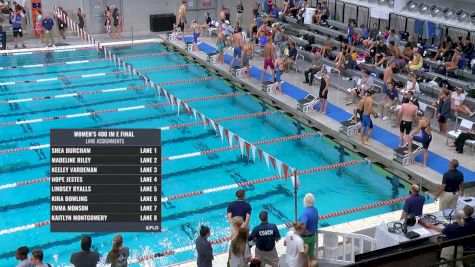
[(74, 100)]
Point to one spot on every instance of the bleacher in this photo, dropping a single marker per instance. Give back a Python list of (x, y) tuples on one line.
[(464, 79)]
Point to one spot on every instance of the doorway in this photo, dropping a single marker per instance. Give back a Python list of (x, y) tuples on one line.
[(97, 8)]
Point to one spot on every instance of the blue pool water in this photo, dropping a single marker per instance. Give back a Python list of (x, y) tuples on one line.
[(335, 190)]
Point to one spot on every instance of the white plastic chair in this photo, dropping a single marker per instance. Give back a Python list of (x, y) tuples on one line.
[(341, 248)]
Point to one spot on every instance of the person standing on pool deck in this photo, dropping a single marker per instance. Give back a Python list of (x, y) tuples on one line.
[(443, 111), (237, 42), (423, 125), (85, 257), (22, 256), (204, 248), (451, 187), (16, 19), (309, 218), (61, 23), (245, 59), (323, 93), (366, 122), (118, 255), (407, 113), (239, 208), (265, 235), (181, 18), (268, 59), (48, 24)]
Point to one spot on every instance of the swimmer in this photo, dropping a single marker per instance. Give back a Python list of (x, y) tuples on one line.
[(367, 109)]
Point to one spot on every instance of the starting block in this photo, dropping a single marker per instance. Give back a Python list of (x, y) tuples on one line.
[(239, 71), (270, 87), (172, 36), (404, 158), (213, 58), (350, 128), (189, 46), (306, 104)]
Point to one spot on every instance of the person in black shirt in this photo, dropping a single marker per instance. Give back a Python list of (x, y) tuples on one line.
[(265, 235), (451, 187), (85, 257), (207, 23), (239, 208), (467, 48)]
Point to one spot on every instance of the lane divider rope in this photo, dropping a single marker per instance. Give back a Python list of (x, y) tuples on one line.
[(257, 181), (114, 110), (83, 61), (164, 128), (95, 74)]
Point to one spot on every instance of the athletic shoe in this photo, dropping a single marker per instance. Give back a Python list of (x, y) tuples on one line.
[(385, 118), (471, 114), (349, 103)]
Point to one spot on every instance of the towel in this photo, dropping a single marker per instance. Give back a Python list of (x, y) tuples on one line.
[(418, 27)]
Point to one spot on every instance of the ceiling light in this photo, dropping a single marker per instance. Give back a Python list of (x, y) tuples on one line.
[(423, 8), (461, 15), (435, 11), (472, 17), (411, 6), (448, 13), (390, 3)]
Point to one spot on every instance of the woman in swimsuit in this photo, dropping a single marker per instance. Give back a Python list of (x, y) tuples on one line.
[(425, 138)]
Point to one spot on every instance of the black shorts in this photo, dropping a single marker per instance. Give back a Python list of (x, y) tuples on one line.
[(323, 95), (17, 32), (405, 126), (181, 25), (62, 26), (442, 119)]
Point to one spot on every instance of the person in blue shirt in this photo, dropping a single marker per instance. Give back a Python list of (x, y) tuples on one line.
[(16, 19), (265, 235), (309, 218), (239, 208), (464, 225), (390, 101), (275, 12), (48, 24), (350, 31), (414, 203)]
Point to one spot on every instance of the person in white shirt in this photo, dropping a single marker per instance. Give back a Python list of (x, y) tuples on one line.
[(458, 97), (239, 252), (364, 84), (296, 251), (411, 84)]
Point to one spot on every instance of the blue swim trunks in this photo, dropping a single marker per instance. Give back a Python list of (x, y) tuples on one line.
[(237, 52), (278, 73), (366, 121)]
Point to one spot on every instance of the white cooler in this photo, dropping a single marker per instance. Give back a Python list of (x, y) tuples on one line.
[(308, 16)]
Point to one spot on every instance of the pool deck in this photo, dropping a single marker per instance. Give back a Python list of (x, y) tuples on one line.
[(384, 137)]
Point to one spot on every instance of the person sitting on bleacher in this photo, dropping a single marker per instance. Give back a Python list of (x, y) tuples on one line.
[(364, 84), (416, 63), (207, 24), (411, 84), (314, 68), (389, 101), (408, 53), (350, 31), (445, 50), (294, 7), (380, 51), (393, 36), (275, 12), (455, 62), (467, 48), (373, 34), (340, 57), (323, 14), (458, 105), (364, 34), (284, 7), (392, 54), (288, 60), (326, 47)]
